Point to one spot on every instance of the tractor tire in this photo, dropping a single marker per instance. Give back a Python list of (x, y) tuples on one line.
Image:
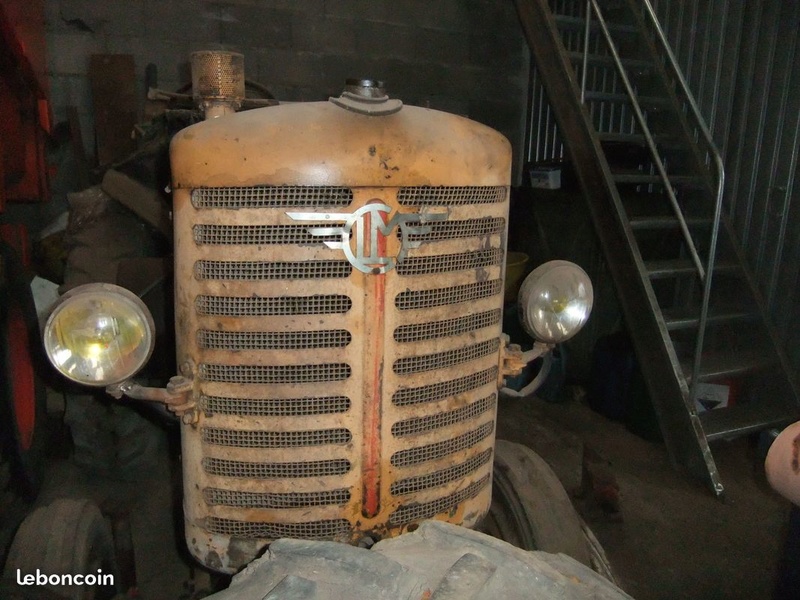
[(67, 537), (438, 561), (23, 399), (530, 508)]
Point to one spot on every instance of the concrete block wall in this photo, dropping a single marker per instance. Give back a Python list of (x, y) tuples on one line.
[(463, 56)]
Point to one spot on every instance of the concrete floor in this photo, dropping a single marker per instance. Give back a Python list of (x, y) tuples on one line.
[(674, 540)]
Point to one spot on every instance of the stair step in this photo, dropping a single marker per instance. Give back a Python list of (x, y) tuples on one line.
[(567, 22), (742, 419), (716, 366), (607, 60), (660, 269), (646, 223), (648, 102), (676, 319), (671, 142), (645, 178)]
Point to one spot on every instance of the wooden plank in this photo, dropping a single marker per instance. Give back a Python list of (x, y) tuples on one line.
[(113, 84)]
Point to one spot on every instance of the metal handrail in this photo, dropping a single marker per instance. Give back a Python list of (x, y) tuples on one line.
[(704, 273), (720, 168), (637, 109)]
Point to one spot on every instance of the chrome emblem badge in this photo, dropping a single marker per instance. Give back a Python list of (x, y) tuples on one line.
[(365, 234)]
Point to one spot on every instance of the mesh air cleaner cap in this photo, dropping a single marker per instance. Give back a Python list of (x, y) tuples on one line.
[(218, 76)]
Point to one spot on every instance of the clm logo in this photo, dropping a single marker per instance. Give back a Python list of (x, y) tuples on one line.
[(365, 234)]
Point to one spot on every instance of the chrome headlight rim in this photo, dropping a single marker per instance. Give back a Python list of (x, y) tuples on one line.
[(107, 290), (544, 278)]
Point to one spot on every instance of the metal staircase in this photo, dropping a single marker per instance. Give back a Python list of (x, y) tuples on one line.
[(654, 181)]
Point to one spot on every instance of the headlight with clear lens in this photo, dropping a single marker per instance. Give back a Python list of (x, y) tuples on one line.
[(555, 301), (99, 334)]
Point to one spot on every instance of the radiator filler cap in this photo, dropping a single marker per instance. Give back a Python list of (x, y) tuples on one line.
[(367, 97)]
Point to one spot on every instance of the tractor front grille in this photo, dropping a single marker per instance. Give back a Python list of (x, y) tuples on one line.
[(294, 349)]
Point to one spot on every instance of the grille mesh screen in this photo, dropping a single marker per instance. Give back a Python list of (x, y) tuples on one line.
[(274, 373), (445, 419), (274, 439), (442, 477), (426, 510), (440, 329), (273, 407), (271, 196), (450, 230), (450, 195), (441, 360), (313, 530), (232, 306), (421, 454), (268, 470), (272, 340), (444, 389), (235, 498), (222, 235), (242, 405), (413, 299), (246, 270), (445, 263)]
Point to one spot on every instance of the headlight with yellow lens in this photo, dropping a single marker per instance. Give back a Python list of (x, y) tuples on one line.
[(555, 301), (99, 334)]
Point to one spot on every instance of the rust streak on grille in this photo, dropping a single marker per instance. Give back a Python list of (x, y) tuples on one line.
[(375, 307), (426, 510)]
